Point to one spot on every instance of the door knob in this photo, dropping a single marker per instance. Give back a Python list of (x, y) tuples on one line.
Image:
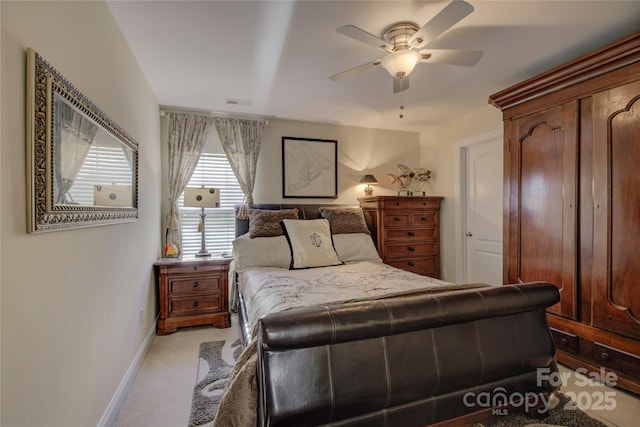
[(468, 234)]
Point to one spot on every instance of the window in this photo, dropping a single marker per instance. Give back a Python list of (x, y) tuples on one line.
[(105, 164), (213, 170)]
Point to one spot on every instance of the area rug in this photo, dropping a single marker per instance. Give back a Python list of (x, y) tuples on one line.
[(564, 414), (216, 358)]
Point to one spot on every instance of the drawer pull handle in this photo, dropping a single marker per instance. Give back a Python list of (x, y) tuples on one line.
[(424, 218), (195, 284), (397, 203), (396, 219), (604, 355), (411, 248), (563, 341), (195, 303), (195, 268), (412, 264), (411, 233)]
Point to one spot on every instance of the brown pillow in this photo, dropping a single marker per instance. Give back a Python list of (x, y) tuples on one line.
[(345, 220), (266, 223)]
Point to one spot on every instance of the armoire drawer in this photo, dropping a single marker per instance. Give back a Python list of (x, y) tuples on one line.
[(616, 359), (565, 341)]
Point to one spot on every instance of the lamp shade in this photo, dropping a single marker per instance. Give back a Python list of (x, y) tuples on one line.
[(197, 197), (368, 179), (401, 62)]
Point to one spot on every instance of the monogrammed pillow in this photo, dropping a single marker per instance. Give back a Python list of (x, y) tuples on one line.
[(345, 220), (266, 223), (310, 243)]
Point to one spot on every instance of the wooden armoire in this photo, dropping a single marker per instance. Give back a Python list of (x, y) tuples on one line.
[(572, 202)]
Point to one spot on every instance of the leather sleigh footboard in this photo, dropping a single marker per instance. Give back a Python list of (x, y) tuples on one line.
[(405, 361)]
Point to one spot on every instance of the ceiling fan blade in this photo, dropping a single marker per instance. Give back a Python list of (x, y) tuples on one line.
[(363, 36), (355, 70), (445, 19), (400, 85), (451, 56)]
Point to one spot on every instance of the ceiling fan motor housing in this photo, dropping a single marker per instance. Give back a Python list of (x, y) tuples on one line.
[(398, 34)]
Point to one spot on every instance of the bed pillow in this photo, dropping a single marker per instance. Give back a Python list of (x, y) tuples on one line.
[(310, 243), (266, 223), (260, 252), (345, 220), (355, 247)]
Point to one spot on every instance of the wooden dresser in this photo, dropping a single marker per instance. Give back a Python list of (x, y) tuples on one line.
[(406, 231), (193, 291), (572, 203)]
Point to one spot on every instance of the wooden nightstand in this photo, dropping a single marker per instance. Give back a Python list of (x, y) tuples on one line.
[(406, 231), (193, 291)]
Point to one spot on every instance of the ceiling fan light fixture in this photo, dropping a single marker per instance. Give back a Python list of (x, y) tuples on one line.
[(401, 62)]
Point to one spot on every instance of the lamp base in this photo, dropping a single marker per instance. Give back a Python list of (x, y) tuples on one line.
[(368, 191), (203, 254)]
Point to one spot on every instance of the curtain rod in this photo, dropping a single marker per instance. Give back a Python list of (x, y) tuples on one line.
[(165, 110)]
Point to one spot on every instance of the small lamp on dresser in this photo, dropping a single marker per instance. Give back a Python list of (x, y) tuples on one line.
[(200, 197), (368, 179)]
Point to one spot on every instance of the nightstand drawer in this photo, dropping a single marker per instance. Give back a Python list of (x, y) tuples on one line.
[(409, 235), (397, 220), (195, 285), (194, 268), (410, 250), (415, 265), (195, 305)]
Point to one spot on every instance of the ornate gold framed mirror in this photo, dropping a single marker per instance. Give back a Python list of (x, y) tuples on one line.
[(82, 168)]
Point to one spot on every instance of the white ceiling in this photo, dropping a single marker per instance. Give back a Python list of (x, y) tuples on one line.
[(280, 54)]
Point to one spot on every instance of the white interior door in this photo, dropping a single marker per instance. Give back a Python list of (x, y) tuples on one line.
[(483, 203)]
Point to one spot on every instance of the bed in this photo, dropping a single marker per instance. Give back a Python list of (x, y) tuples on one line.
[(355, 342)]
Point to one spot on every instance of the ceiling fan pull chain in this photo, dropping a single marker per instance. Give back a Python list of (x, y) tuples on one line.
[(401, 106)]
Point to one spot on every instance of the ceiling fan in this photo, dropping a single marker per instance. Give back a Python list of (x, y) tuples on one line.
[(403, 42)]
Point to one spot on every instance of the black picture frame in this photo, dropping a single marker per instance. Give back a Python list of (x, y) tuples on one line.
[(309, 168)]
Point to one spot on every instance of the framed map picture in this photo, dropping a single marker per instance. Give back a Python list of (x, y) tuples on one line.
[(309, 168)]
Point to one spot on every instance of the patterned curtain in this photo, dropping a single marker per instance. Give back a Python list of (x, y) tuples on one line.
[(187, 134), (74, 136), (241, 140)]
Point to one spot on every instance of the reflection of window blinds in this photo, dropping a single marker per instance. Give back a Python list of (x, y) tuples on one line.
[(104, 165), (213, 170)]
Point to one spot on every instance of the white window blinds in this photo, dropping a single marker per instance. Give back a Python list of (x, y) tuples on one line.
[(213, 170)]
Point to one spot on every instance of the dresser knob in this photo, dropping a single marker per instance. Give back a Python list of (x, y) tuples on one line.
[(411, 248), (411, 263), (396, 219), (195, 303), (195, 284), (411, 233), (195, 268), (604, 355), (424, 218)]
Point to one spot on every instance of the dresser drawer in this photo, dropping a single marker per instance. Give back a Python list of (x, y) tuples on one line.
[(415, 265), (194, 268), (195, 305), (425, 219), (402, 203), (397, 220), (195, 285), (409, 234), (410, 250)]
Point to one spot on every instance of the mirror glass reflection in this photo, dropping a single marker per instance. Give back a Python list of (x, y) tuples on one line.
[(91, 166)]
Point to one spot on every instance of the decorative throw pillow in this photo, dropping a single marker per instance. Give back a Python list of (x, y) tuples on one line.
[(345, 220), (266, 223), (310, 243)]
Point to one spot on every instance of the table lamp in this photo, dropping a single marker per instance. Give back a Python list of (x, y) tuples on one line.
[(368, 179), (200, 197)]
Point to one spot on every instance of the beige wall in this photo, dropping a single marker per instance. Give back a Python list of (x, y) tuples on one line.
[(71, 300), (439, 150), (360, 151)]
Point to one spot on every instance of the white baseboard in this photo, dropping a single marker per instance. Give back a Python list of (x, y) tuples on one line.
[(120, 396)]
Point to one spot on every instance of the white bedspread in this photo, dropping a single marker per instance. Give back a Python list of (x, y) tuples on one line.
[(268, 289)]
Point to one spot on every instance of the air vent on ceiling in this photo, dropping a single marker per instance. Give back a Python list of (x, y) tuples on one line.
[(243, 102)]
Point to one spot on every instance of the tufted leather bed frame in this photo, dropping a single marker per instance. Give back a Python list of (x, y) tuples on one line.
[(406, 361)]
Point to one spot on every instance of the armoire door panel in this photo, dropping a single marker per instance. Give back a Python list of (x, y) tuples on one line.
[(546, 159), (616, 266)]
